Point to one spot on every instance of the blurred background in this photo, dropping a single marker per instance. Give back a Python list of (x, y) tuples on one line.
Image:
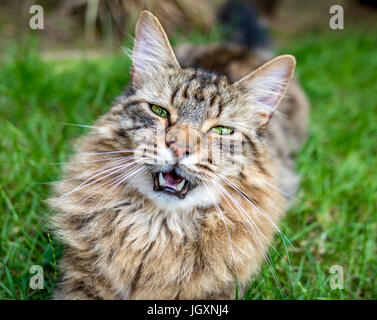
[(55, 80), (101, 25)]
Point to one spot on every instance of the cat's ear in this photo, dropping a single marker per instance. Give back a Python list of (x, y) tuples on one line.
[(152, 50), (266, 85)]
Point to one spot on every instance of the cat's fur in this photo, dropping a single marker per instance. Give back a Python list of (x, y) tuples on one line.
[(122, 239)]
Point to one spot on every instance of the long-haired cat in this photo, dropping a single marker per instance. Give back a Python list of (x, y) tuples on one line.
[(176, 192)]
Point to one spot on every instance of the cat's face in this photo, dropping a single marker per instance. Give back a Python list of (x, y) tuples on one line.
[(186, 126), (193, 130)]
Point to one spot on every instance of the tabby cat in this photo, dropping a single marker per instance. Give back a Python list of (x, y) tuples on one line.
[(146, 209)]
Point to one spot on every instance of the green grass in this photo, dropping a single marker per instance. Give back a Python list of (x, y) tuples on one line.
[(333, 223)]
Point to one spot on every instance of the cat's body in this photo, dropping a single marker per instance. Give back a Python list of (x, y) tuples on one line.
[(126, 239)]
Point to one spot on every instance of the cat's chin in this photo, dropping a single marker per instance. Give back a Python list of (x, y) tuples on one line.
[(167, 196)]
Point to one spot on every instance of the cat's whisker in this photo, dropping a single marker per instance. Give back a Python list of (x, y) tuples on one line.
[(79, 125), (245, 215), (107, 152), (90, 161), (248, 218), (257, 241), (110, 164), (106, 183), (244, 196), (118, 179), (260, 210), (223, 191), (242, 211), (123, 178), (103, 169), (226, 228), (279, 190), (112, 171), (282, 235)]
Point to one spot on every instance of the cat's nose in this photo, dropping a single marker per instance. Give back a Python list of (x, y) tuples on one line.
[(177, 140), (179, 151)]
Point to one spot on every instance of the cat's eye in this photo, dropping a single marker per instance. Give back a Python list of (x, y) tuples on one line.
[(160, 111), (222, 130)]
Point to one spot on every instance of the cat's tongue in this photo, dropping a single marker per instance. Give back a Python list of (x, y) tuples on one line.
[(172, 179)]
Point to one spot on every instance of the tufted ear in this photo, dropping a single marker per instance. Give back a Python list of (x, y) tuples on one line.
[(152, 50), (265, 86)]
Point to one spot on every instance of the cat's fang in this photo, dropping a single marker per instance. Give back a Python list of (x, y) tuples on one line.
[(180, 185), (161, 179)]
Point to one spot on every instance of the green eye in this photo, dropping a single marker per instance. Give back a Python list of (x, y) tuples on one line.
[(160, 111), (222, 130)]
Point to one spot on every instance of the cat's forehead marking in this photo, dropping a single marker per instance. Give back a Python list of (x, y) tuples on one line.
[(198, 95)]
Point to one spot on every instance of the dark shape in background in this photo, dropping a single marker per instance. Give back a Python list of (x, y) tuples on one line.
[(240, 21)]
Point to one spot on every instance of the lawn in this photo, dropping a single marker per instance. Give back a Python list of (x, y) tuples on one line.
[(334, 222)]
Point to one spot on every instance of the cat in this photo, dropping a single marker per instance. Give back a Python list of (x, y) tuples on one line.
[(145, 211)]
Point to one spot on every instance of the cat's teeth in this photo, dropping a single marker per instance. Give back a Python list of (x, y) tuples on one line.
[(161, 179), (184, 189), (180, 185)]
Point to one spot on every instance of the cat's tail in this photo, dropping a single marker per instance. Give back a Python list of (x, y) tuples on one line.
[(243, 25)]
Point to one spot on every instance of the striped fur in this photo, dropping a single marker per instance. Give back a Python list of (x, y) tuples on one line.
[(122, 239)]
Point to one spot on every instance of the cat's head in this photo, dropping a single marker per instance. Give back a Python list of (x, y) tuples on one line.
[(190, 129)]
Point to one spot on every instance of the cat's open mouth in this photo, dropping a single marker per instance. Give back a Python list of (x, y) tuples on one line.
[(171, 182)]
